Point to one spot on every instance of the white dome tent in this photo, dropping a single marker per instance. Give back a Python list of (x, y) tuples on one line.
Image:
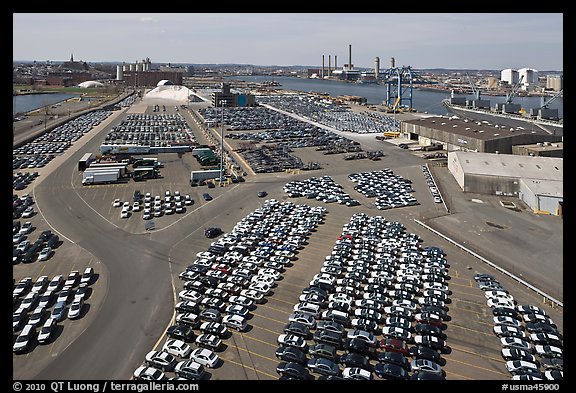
[(89, 84), (178, 94)]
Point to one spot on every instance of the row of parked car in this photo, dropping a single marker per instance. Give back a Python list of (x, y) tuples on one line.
[(44, 303), (154, 205), (391, 190), (378, 280), (431, 184), (40, 151), (531, 343), (223, 285), (323, 189)]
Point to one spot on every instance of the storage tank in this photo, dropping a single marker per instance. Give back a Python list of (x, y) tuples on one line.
[(119, 73)]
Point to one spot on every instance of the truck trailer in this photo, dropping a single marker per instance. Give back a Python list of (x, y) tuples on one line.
[(100, 177)]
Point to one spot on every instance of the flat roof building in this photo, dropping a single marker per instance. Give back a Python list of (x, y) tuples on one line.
[(481, 136)]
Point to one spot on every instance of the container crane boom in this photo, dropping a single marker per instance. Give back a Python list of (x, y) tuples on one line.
[(514, 91)]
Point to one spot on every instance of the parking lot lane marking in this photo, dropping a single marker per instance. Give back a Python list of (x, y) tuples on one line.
[(472, 330), (253, 369), (275, 345), (256, 354), (268, 318), (475, 354), (480, 367), (263, 328), (459, 375), (280, 300)]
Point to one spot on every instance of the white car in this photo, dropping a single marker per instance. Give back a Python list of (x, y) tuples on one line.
[(514, 342), (508, 331), (46, 331), (75, 310), (356, 373), (117, 203), (45, 253), (235, 322), (149, 374), (205, 357), (548, 351), (261, 287), (190, 295), (72, 278), (26, 228), (136, 206), (507, 321), (292, 340), (516, 366), (29, 212), (241, 300), (177, 347), (500, 302)]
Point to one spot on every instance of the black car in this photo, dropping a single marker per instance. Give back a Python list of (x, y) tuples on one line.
[(506, 312), (315, 289), (181, 332), (262, 194), (53, 240), (206, 196), (366, 324), (390, 371), (211, 314), (426, 329), (354, 359), (422, 352), (323, 366), (212, 232), (323, 350), (293, 370), (541, 327), (359, 346), (394, 358), (291, 354), (425, 376), (328, 337), (298, 329), (45, 235), (552, 363), (331, 326)]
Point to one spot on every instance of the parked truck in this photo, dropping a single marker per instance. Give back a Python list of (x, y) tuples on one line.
[(100, 177)]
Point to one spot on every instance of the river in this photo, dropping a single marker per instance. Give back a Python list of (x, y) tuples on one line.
[(422, 100), (29, 102)]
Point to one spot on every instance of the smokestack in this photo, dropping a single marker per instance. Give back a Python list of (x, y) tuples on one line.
[(335, 63), (392, 62), (376, 67), (350, 56), (322, 73), (329, 65)]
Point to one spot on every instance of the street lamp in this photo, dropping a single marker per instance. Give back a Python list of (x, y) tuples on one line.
[(222, 102)]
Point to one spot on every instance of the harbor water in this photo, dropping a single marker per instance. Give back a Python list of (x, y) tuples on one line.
[(29, 102), (422, 100)]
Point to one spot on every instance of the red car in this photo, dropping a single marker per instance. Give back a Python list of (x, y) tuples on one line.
[(394, 345)]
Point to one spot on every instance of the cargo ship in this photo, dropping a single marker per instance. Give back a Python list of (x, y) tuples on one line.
[(506, 114)]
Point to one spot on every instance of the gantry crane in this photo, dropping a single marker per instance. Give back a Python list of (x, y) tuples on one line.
[(510, 96)]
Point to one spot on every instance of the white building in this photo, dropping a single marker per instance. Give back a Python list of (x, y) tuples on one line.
[(530, 77), (509, 75)]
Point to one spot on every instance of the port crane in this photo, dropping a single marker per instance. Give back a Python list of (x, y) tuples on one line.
[(398, 81), (510, 96), (474, 89), (554, 97)]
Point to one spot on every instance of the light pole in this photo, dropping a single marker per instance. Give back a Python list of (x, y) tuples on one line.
[(222, 102)]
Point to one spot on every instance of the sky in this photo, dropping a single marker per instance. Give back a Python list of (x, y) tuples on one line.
[(421, 40)]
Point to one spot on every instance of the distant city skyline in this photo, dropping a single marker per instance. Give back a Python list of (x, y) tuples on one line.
[(421, 40)]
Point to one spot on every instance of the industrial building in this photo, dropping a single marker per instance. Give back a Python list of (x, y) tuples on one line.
[(540, 149), (457, 134), (228, 99), (537, 181)]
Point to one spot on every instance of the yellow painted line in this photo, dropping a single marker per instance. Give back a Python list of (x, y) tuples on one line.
[(479, 367), (463, 376), (268, 330), (256, 354), (476, 354), (270, 319), (252, 368), (275, 345), (472, 330)]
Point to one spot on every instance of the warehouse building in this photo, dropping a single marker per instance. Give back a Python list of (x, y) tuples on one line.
[(480, 136), (538, 181)]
